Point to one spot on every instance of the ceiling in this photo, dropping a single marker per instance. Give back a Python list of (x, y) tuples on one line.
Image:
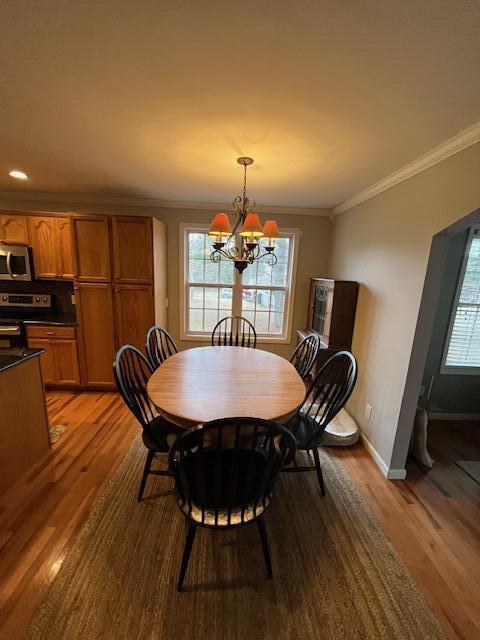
[(156, 100)]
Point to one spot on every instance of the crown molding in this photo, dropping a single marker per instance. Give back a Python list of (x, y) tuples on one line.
[(450, 147), (74, 199)]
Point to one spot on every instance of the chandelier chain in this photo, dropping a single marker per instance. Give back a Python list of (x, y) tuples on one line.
[(244, 188)]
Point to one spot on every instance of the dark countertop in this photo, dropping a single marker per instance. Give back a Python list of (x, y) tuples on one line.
[(65, 320), (10, 357)]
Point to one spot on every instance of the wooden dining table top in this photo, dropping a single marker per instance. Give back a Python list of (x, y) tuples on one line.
[(207, 383)]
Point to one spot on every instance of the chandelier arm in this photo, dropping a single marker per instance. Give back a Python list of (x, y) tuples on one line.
[(215, 256), (273, 258)]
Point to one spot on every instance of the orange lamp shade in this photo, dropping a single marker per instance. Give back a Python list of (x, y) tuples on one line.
[(220, 225), (270, 229), (251, 226)]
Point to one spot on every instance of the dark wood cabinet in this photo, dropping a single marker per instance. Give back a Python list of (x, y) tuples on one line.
[(332, 308), (331, 314)]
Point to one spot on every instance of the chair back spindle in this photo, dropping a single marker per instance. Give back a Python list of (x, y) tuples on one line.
[(329, 392), (160, 346), (234, 331), (132, 372), (305, 355)]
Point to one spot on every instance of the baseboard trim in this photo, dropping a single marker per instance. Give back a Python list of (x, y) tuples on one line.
[(390, 474), (444, 415), (397, 474)]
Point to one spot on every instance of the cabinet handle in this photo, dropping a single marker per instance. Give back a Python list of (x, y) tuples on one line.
[(50, 333)]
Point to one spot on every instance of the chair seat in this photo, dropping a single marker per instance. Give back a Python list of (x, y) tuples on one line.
[(223, 517), (302, 428), (156, 434)]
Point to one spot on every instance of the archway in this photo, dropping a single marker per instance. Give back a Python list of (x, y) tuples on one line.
[(423, 333)]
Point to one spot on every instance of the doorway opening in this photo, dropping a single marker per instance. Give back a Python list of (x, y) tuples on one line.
[(442, 378)]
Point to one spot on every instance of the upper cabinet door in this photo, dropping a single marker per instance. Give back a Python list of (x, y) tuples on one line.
[(91, 243), (43, 238), (133, 249), (13, 228), (52, 247), (64, 240)]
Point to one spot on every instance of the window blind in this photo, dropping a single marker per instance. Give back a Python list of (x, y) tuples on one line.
[(464, 344)]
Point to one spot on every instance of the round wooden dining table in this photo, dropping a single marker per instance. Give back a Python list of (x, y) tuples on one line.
[(206, 383)]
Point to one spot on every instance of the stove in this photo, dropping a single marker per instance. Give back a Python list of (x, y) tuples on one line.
[(14, 310)]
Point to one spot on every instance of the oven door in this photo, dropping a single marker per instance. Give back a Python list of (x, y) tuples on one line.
[(14, 263)]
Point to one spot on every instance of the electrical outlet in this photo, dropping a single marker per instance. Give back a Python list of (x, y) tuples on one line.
[(368, 411)]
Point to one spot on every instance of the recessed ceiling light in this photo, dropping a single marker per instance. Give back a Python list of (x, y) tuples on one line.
[(19, 175)]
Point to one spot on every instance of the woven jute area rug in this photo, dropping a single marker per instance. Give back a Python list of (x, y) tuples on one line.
[(335, 575)]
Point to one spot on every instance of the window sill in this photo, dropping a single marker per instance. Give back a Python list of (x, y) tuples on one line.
[(459, 371)]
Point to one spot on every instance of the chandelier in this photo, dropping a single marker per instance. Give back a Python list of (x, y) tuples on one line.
[(243, 247)]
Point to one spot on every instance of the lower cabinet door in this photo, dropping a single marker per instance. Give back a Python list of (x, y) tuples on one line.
[(134, 314), (95, 314), (66, 362), (47, 362)]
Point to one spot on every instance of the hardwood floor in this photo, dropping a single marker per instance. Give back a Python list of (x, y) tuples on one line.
[(40, 514), (431, 519)]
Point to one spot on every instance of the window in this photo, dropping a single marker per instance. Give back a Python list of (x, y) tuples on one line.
[(263, 294), (462, 349)]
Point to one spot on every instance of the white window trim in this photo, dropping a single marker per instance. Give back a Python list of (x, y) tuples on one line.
[(289, 290), (448, 369)]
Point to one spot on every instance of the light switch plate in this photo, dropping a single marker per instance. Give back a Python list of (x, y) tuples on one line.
[(368, 411), (73, 298)]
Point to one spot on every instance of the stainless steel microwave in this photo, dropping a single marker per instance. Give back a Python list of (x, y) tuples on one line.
[(15, 262)]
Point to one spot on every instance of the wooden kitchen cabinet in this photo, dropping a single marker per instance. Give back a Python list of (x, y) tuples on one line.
[(24, 420), (134, 314), (132, 249), (50, 239), (65, 253), (59, 363), (42, 232), (95, 316), (65, 356), (13, 228), (91, 241), (47, 363)]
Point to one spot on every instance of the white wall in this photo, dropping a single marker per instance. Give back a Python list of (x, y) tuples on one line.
[(384, 243)]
